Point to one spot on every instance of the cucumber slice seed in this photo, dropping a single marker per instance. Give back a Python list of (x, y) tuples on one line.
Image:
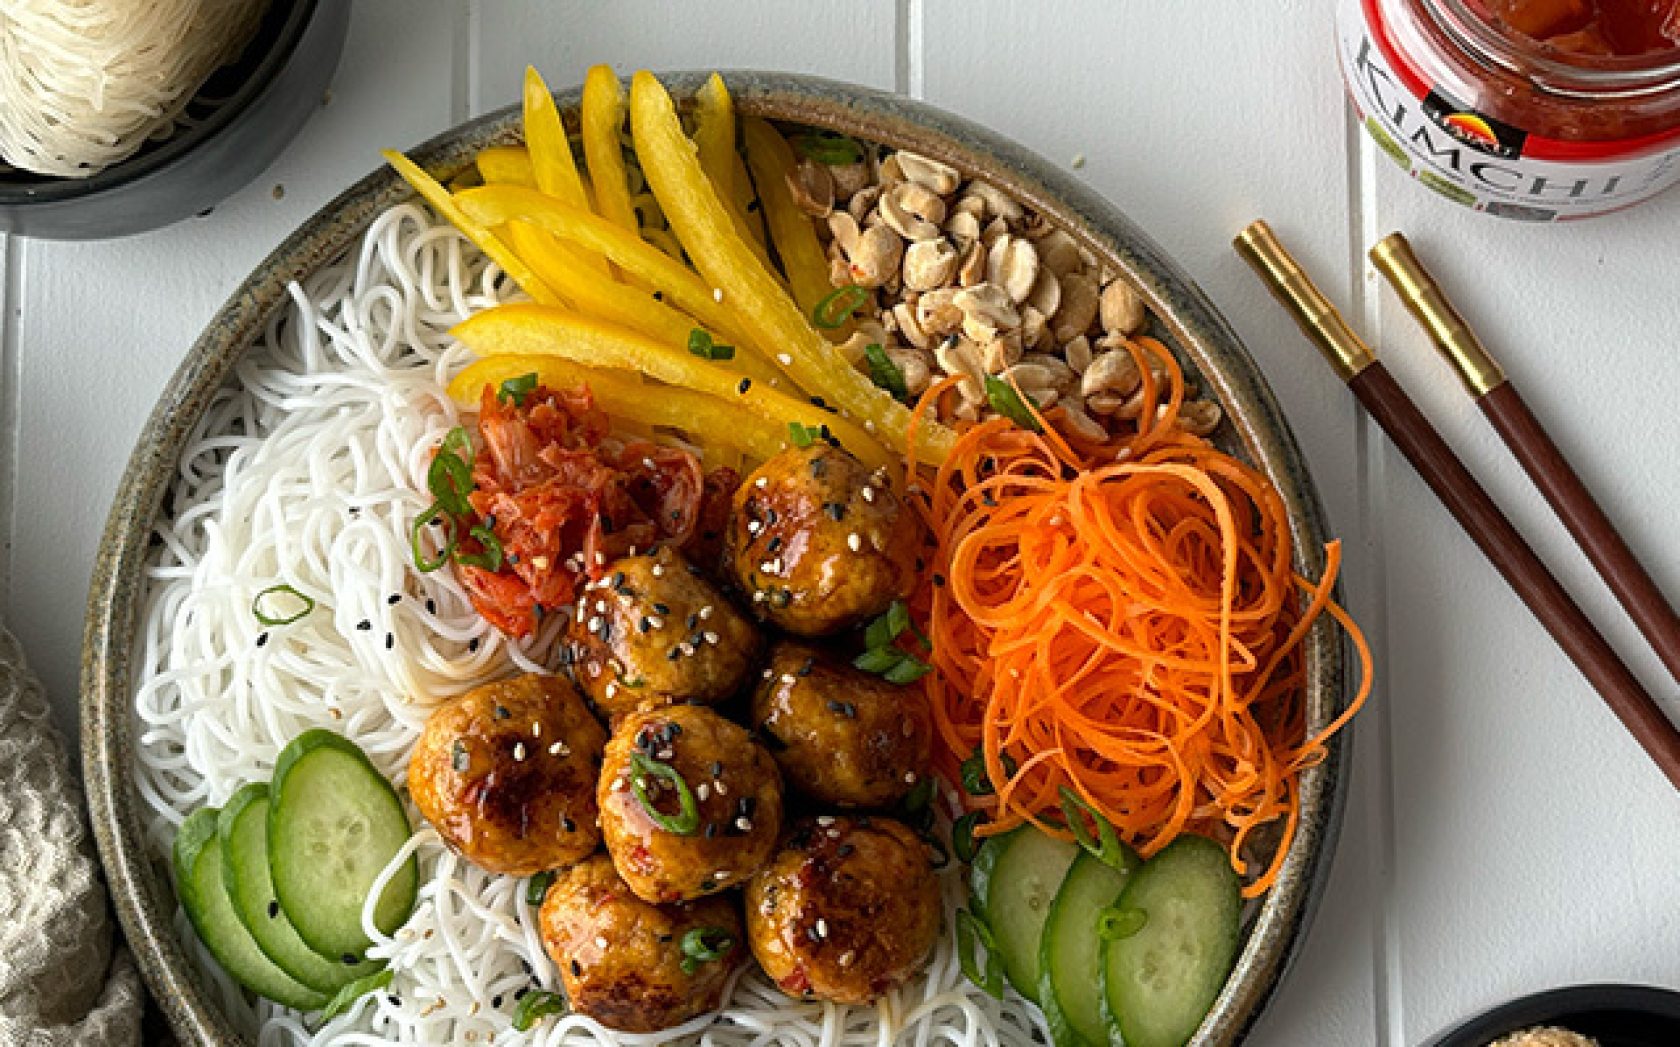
[(243, 828), (203, 893), (1159, 982), (1016, 879), (334, 824)]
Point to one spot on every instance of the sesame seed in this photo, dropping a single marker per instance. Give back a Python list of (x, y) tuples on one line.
[(758, 596), (262, 639), (717, 294), (657, 570), (655, 622), (600, 941), (702, 791), (854, 542), (909, 777), (390, 641), (394, 599), (705, 612), (594, 623), (686, 648), (712, 638), (273, 910), (721, 874), (822, 927), (720, 788), (618, 785), (762, 482), (364, 626), (746, 383), (519, 750), (867, 493), (825, 820), (536, 728), (743, 824), (789, 678), (784, 359), (558, 749), (768, 673)]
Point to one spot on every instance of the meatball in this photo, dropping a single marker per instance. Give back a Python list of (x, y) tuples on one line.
[(690, 804), (819, 542), (838, 734), (641, 979), (847, 909), (506, 772), (651, 631)]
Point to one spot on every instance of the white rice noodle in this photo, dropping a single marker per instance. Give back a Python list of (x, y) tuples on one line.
[(309, 472)]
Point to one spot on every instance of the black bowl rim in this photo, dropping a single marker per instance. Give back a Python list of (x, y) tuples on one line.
[(1556, 1007), (49, 189)]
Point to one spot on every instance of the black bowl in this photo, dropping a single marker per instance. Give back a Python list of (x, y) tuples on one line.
[(1614, 1015), (261, 101)]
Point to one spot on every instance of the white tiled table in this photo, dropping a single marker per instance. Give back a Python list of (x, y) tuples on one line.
[(1503, 835)]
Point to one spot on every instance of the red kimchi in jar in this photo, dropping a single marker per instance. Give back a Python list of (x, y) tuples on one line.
[(1538, 110)]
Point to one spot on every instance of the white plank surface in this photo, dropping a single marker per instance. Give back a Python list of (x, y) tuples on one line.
[(1503, 834)]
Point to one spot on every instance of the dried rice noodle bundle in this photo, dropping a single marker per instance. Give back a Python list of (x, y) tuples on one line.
[(85, 83)]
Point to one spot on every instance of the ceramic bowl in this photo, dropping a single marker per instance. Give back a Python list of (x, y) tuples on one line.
[(266, 97), (1182, 316)]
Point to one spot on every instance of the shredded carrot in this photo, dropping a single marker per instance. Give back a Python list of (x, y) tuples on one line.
[(1123, 621)]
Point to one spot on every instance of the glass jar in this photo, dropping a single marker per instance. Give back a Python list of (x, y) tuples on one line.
[(1502, 123)]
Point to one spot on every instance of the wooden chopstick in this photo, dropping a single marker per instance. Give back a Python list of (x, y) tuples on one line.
[(1532, 446), (1468, 502)]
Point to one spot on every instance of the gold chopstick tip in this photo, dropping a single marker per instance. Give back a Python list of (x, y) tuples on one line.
[(1394, 258), (1291, 286)]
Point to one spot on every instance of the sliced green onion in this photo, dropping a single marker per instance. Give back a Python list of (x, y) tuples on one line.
[(705, 945), (888, 626), (517, 389), (827, 147), (962, 836), (975, 780), (280, 590), (347, 995), (884, 373), (878, 660), (803, 435), (433, 512), (1114, 924), (700, 344), (458, 443), (535, 1006), (837, 306), (450, 481), (491, 558), (537, 889), (684, 823), (1105, 846), (976, 946), (1011, 404), (908, 670), (920, 796)]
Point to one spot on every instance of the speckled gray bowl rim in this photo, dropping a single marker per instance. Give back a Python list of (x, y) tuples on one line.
[(139, 882)]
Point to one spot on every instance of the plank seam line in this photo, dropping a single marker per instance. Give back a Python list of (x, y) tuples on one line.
[(462, 61), (909, 57), (11, 393), (1372, 460)]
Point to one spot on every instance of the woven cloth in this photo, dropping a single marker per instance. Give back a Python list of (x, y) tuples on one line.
[(65, 979)]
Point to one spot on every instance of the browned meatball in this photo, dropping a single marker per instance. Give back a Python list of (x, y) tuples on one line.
[(622, 961), (651, 631), (715, 799), (839, 734), (506, 772), (819, 542), (847, 909)]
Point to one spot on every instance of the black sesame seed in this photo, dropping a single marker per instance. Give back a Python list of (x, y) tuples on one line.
[(673, 654), (645, 624), (458, 757), (513, 558), (577, 969), (693, 619), (711, 830), (522, 992), (364, 625), (262, 639), (818, 468), (774, 544), (811, 933), (567, 824), (618, 580), (393, 999), (659, 608), (350, 959), (805, 670), (606, 523), (501, 712), (273, 910), (836, 510), (665, 939), (939, 581), (716, 768), (472, 645), (746, 383), (770, 517), (394, 599), (846, 709), (496, 1002), (390, 641), (431, 606)]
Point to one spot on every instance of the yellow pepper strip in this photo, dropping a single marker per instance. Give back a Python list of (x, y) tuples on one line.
[(444, 204), (506, 165), (523, 329), (561, 266), (551, 153), (626, 399), (803, 260), (702, 224), (680, 285), (714, 139), (603, 122)]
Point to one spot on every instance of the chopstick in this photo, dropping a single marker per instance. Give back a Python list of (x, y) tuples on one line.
[(1464, 498), (1532, 446)]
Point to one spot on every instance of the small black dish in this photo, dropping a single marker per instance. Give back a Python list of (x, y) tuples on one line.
[(1614, 1015), (261, 101)]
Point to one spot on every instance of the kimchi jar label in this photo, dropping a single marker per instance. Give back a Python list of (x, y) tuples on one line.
[(1483, 163)]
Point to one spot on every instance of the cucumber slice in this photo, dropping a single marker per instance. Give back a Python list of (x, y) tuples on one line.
[(1072, 949), (198, 880), (334, 823), (1159, 983), (1015, 878), (243, 828)]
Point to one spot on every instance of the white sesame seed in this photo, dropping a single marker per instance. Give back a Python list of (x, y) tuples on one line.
[(558, 749), (658, 570), (833, 834), (784, 359), (758, 596), (869, 425), (612, 688), (854, 542), (826, 820), (768, 673), (909, 777), (702, 791), (762, 482), (594, 670), (789, 678), (720, 788), (648, 462), (600, 607), (721, 874), (822, 927), (618, 785), (540, 562), (711, 638), (536, 728), (705, 612), (595, 619), (655, 622), (685, 649), (717, 294), (600, 941), (743, 824), (846, 958), (867, 493), (601, 558), (519, 750)]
